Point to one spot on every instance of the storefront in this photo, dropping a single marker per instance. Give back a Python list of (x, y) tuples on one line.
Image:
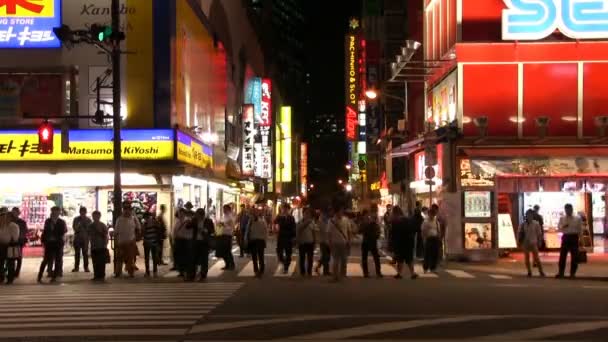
[(160, 167), (498, 191)]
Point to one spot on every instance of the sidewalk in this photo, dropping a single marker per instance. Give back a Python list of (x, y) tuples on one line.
[(596, 267)]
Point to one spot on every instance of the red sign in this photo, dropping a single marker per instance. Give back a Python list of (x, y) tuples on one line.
[(351, 124), (303, 168), (266, 119)]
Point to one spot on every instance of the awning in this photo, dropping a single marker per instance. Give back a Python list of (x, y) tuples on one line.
[(408, 148), (544, 152)]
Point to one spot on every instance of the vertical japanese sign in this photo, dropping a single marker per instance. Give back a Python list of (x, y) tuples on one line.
[(248, 139), (303, 168), (29, 23), (263, 123), (352, 74), (283, 146)]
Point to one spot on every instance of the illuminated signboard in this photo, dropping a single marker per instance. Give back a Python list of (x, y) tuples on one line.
[(303, 168), (352, 85), (248, 139), (253, 95), (263, 122), (283, 146), (152, 144), (534, 20), (29, 23), (193, 151)]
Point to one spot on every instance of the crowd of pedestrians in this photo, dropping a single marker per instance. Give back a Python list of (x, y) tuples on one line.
[(196, 234)]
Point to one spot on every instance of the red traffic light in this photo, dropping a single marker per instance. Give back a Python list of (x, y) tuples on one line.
[(45, 138)]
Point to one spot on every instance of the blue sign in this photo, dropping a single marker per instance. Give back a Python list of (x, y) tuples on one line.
[(537, 19), (253, 95), (29, 23)]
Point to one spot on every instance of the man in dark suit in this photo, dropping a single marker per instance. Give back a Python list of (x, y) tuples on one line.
[(52, 240), (22, 237)]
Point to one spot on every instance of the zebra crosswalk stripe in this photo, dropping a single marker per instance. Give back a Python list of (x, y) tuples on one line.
[(460, 274), (420, 271), (290, 271), (500, 277), (247, 271), (88, 311)]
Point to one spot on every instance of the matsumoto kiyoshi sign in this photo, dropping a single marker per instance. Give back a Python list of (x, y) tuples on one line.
[(22, 145), (193, 152), (29, 23), (537, 19)]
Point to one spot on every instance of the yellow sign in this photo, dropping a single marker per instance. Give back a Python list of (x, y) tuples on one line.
[(283, 146), (88, 145), (27, 8), (375, 186), (193, 152)]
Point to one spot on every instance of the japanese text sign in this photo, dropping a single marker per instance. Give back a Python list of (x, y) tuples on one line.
[(29, 23)]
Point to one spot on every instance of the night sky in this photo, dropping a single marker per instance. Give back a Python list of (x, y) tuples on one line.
[(327, 26)]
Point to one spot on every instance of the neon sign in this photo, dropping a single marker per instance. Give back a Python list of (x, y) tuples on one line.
[(29, 23), (537, 19), (263, 122), (248, 139), (352, 85)]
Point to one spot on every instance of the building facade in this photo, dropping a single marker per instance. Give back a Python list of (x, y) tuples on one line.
[(525, 99)]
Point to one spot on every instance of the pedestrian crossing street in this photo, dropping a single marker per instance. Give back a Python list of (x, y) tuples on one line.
[(245, 270), (103, 310)]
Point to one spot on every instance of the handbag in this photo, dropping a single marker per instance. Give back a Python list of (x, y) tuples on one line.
[(521, 235), (581, 257)]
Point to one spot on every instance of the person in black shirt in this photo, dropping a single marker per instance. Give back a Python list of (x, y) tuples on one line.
[(22, 237), (203, 232), (370, 232), (403, 237), (287, 232), (52, 240)]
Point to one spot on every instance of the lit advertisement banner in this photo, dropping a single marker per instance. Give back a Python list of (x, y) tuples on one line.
[(351, 84), (263, 122), (535, 20), (248, 139), (253, 95), (29, 23), (303, 168), (283, 146), (145, 144), (194, 152)]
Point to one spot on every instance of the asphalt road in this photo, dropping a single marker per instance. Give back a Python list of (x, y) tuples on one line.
[(454, 304)]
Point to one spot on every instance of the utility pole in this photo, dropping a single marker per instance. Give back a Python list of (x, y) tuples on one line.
[(116, 118)]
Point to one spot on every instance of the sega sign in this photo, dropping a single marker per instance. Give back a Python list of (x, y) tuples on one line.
[(537, 19), (29, 23)]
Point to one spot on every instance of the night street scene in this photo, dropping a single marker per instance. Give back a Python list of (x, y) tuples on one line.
[(303, 170)]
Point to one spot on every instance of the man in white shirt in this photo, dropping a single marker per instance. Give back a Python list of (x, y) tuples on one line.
[(571, 227), (431, 232), (228, 225)]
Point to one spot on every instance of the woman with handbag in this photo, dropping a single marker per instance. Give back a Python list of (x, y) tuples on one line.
[(9, 246), (530, 237), (99, 247)]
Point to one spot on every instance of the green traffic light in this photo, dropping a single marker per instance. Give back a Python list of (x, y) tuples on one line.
[(104, 33)]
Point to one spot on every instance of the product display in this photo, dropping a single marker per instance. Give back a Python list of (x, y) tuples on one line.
[(477, 236), (477, 204)]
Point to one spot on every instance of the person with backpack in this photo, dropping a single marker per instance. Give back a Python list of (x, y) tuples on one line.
[(306, 242), (9, 246), (203, 231), (258, 233), (529, 238), (370, 233)]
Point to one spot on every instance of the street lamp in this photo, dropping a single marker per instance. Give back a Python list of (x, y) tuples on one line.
[(371, 94), (349, 188), (348, 167), (340, 181)]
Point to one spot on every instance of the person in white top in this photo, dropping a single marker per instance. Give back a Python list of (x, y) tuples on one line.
[(9, 246), (571, 227), (126, 230), (225, 239), (430, 233), (530, 236)]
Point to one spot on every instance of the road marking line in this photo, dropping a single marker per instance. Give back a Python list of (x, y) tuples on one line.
[(113, 323), (203, 328), (354, 270), (92, 332), (216, 270), (95, 318), (549, 331), (290, 271), (388, 270), (247, 271), (460, 274), (420, 271), (500, 277), (379, 328), (163, 313)]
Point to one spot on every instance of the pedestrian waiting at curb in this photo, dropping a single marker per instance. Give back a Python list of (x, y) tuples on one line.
[(53, 239), (100, 254), (10, 249), (403, 235), (571, 227), (258, 234), (530, 237), (370, 232)]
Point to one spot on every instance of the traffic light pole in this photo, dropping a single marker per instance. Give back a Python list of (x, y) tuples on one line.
[(116, 121)]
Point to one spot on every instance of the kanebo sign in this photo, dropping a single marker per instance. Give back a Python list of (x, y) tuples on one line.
[(537, 19)]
